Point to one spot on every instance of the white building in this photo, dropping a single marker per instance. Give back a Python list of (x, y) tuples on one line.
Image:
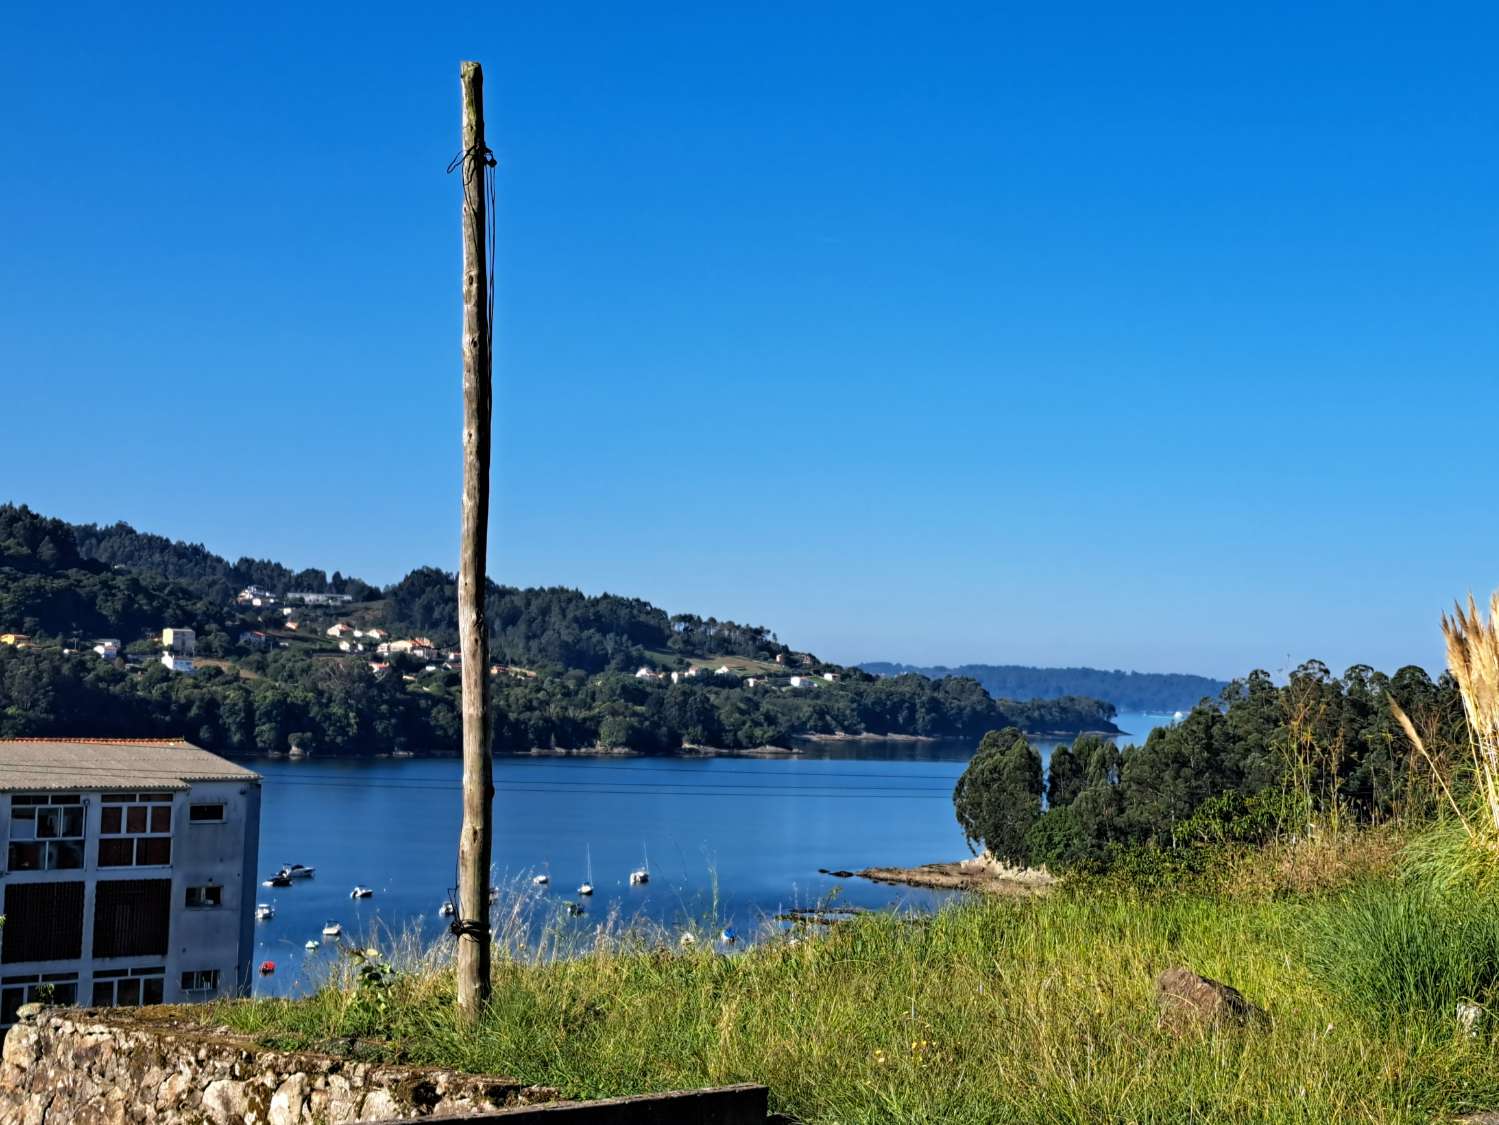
[(179, 642), (129, 873), (802, 681), (830, 677), (320, 599), (108, 648), (177, 663), (339, 630)]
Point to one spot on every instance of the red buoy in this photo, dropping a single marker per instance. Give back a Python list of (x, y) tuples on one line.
[(267, 967)]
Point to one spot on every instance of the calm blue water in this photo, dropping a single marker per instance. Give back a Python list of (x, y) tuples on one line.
[(756, 828)]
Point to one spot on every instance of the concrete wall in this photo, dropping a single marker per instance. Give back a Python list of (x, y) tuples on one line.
[(152, 1065)]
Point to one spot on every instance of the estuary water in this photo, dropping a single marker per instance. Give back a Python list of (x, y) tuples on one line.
[(729, 841)]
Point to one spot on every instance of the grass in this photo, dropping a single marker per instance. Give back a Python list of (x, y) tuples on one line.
[(989, 1011)]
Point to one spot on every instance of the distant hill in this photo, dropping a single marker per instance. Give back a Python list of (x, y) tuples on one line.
[(1128, 691), (571, 670)]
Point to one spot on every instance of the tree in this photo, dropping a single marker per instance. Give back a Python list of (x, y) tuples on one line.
[(1064, 777), (998, 797)]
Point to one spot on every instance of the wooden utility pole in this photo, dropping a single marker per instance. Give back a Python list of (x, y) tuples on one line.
[(476, 838)]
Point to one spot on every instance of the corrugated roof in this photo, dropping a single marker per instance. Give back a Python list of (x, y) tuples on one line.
[(35, 764)]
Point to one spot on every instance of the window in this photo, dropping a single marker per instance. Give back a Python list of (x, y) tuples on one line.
[(132, 917), (200, 980), (135, 830), (129, 987), (43, 922), (205, 814), (43, 988), (46, 832), (204, 898)]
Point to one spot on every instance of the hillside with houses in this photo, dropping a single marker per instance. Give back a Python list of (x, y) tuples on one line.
[(118, 630)]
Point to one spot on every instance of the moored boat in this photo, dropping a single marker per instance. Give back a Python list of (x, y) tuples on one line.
[(264, 912), (361, 891), (332, 929)]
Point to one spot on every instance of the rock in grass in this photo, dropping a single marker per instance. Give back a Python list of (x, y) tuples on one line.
[(1186, 1000)]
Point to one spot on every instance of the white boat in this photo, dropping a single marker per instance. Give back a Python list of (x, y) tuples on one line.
[(332, 929), (361, 892), (586, 886), (575, 908), (642, 874), (541, 880), (447, 910), (312, 946), (296, 871), (494, 895), (264, 912)]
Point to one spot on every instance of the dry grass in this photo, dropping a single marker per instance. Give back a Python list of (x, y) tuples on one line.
[(1317, 864), (1473, 793)]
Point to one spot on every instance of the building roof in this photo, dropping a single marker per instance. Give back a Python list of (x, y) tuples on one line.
[(31, 764)]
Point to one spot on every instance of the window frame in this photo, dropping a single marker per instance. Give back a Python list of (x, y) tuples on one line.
[(154, 808), (61, 847), (193, 980), (212, 899), (221, 806)]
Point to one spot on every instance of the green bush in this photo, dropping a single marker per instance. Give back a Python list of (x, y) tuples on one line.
[(1401, 951), (1057, 841)]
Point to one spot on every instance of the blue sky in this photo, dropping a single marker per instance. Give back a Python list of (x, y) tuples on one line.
[(1150, 336)]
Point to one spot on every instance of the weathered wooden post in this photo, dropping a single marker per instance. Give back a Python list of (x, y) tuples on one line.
[(476, 838)]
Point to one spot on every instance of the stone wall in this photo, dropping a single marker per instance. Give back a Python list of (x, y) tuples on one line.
[(155, 1065)]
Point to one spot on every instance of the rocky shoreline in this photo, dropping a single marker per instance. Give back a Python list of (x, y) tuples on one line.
[(979, 875)]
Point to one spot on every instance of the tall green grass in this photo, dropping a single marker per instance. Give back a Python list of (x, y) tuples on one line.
[(1405, 953), (988, 1011)]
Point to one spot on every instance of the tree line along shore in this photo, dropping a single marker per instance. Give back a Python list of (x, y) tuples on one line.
[(566, 673)]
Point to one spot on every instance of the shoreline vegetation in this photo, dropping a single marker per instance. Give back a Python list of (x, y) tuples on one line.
[(692, 751)]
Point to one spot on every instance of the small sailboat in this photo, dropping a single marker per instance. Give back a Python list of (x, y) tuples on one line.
[(586, 886), (447, 909), (332, 929), (541, 880), (642, 874), (312, 946), (295, 871), (264, 912), (361, 891)]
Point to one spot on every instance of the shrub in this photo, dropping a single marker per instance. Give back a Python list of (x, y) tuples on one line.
[(1402, 950), (1057, 841)]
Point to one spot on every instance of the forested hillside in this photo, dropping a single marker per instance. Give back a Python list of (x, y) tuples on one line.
[(1128, 691), (565, 673)]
